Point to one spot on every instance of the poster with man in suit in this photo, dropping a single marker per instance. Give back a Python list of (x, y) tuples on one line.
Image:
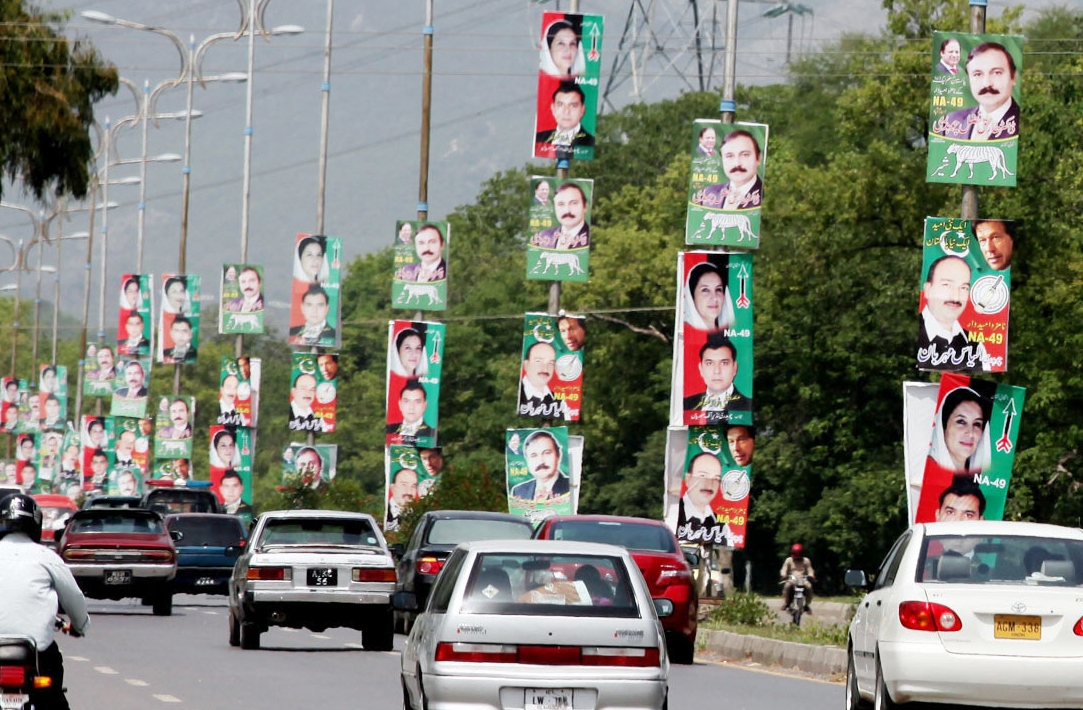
[(569, 71), (551, 377), (725, 189)]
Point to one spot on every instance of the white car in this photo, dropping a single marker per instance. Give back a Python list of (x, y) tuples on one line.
[(536, 624), (980, 613)]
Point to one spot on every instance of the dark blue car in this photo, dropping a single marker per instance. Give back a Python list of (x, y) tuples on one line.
[(207, 549)]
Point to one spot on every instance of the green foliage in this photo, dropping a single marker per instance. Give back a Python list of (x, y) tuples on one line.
[(741, 609), (49, 84), (338, 494)]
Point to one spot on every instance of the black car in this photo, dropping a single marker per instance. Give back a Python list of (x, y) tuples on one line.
[(208, 545), (169, 501), (436, 535), (103, 501)]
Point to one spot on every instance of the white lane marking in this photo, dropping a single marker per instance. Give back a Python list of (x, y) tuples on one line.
[(76, 658), (210, 613), (105, 670), (167, 698), (351, 644), (136, 682), (320, 636)]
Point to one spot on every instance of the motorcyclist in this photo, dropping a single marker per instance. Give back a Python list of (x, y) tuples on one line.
[(34, 585), (796, 567)]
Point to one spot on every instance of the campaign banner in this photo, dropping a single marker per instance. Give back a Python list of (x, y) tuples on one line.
[(310, 466), (97, 442), (99, 370), (559, 248), (9, 404), (47, 459), (241, 310), (725, 190), (538, 469), (173, 427), (968, 467), (974, 109), (569, 72), (29, 409), (415, 362), (965, 299), (178, 323), (238, 391), (407, 478), (314, 394), (130, 389), (69, 474), (231, 454), (26, 461), (551, 376), (421, 254), (134, 322), (131, 446), (176, 470), (714, 353), (315, 308), (53, 396), (712, 507)]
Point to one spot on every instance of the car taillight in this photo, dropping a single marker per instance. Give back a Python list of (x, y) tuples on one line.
[(74, 554), (548, 655), (374, 574), (1078, 628), (158, 555), (429, 565), (273, 574), (672, 574), (12, 676), (926, 616)]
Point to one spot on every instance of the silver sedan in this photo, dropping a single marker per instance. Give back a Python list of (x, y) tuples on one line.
[(537, 625)]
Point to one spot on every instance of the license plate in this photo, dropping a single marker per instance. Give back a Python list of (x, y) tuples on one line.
[(205, 582), (118, 576), (322, 576), (1013, 626), (14, 701), (548, 699)]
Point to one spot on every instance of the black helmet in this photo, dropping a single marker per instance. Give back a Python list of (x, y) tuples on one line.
[(20, 513)]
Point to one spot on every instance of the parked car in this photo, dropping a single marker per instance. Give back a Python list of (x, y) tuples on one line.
[(208, 545), (435, 536), (975, 613), (313, 569), (656, 551), (104, 501), (168, 500), (536, 624), (55, 512), (117, 553)]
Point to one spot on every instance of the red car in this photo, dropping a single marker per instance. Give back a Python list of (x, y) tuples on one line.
[(55, 511), (659, 557)]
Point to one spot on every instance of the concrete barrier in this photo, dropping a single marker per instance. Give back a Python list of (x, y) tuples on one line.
[(821, 660)]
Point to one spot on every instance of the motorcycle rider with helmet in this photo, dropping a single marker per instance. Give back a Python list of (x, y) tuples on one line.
[(800, 567), (35, 585)]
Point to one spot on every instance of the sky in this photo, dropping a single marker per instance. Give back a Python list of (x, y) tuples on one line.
[(484, 81)]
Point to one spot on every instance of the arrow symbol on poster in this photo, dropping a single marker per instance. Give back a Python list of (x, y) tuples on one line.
[(435, 348), (742, 276), (1004, 443), (595, 35)]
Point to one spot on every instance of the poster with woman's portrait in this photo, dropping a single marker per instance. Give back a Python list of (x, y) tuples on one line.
[(241, 311), (314, 395), (178, 322), (314, 307), (415, 361), (713, 356), (725, 190), (965, 295), (707, 491), (542, 468), (309, 465), (134, 323), (53, 397), (974, 109), (421, 256), (974, 431), (559, 246), (238, 391), (569, 72), (230, 461), (551, 376)]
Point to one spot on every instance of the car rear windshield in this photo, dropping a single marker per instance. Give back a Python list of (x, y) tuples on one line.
[(319, 531), (180, 501), (454, 531), (978, 559), (113, 521), (212, 532), (630, 536), (549, 585)]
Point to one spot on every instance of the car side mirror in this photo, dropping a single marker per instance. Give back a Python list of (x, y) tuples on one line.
[(856, 578), (397, 550), (177, 535), (407, 601), (663, 607), (692, 558)]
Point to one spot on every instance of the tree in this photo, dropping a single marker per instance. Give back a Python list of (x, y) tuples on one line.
[(49, 84)]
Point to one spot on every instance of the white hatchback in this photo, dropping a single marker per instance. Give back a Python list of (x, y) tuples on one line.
[(536, 624), (980, 613)]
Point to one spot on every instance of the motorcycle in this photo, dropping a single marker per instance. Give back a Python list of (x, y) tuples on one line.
[(797, 601), (20, 674)]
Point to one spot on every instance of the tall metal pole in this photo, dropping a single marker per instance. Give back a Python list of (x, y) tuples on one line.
[(86, 303), (563, 168), (728, 108), (426, 116), (42, 236), (20, 257), (182, 259), (968, 208), (246, 188), (145, 111), (56, 297)]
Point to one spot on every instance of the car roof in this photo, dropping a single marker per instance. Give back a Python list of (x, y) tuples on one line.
[(564, 547), (115, 512), (195, 516), (112, 502), (475, 515), (1001, 527), (314, 513), (627, 519)]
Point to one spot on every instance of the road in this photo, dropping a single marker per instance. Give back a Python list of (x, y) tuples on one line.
[(133, 660)]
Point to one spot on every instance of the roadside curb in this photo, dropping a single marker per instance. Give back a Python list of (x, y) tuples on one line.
[(821, 660)]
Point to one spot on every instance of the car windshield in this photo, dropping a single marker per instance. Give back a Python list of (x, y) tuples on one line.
[(549, 585), (630, 536), (113, 521), (980, 559), (212, 532), (180, 501), (319, 531), (55, 518), (453, 531)]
